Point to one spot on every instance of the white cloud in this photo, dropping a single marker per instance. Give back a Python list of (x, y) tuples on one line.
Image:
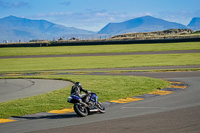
[(180, 16), (4, 4), (67, 3)]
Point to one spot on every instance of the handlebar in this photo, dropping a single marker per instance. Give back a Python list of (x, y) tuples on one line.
[(90, 92)]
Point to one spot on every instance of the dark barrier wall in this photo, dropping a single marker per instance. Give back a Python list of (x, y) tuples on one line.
[(82, 43)]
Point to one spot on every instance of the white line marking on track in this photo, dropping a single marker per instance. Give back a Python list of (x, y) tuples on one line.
[(143, 107)]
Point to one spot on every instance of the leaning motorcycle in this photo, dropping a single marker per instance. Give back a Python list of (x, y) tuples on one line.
[(83, 109)]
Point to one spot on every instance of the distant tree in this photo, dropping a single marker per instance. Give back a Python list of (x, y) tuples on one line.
[(60, 39), (5, 41)]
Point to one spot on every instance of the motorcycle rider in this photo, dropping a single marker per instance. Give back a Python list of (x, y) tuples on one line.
[(77, 89)]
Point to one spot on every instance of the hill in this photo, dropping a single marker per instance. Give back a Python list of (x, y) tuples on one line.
[(194, 24), (166, 34), (15, 28), (141, 24)]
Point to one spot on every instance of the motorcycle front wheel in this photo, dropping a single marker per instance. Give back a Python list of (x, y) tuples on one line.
[(102, 109), (80, 110)]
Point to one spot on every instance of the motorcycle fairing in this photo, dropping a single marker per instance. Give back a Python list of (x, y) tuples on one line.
[(94, 98), (74, 99)]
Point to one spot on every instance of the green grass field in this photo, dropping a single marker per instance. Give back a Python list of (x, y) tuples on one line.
[(98, 49), (107, 88)]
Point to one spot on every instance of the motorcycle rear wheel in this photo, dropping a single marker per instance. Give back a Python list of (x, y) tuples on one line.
[(80, 110)]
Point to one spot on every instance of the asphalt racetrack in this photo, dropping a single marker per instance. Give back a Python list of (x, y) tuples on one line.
[(175, 113), (11, 89)]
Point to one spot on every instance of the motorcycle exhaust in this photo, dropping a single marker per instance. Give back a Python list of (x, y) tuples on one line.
[(94, 110)]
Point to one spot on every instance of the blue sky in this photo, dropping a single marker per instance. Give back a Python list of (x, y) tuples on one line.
[(95, 14)]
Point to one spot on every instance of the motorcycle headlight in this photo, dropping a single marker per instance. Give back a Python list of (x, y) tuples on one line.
[(69, 99)]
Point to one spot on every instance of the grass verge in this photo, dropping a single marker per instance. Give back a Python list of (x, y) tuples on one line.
[(89, 72), (62, 63), (23, 51), (107, 88)]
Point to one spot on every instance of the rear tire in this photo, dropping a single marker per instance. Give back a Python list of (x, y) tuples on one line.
[(80, 110), (102, 109)]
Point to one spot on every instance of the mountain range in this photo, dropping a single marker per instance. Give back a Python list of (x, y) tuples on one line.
[(15, 28), (146, 24), (194, 24)]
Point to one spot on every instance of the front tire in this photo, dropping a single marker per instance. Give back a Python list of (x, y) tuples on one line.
[(102, 109), (80, 110)]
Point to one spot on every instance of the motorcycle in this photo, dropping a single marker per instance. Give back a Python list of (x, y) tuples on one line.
[(83, 109)]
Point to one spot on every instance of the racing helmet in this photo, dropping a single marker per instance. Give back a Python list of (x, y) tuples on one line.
[(78, 84)]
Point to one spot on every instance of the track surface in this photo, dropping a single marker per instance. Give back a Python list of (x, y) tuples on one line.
[(104, 54), (11, 89), (176, 121)]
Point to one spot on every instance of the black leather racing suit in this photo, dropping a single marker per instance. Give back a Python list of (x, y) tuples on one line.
[(76, 90)]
